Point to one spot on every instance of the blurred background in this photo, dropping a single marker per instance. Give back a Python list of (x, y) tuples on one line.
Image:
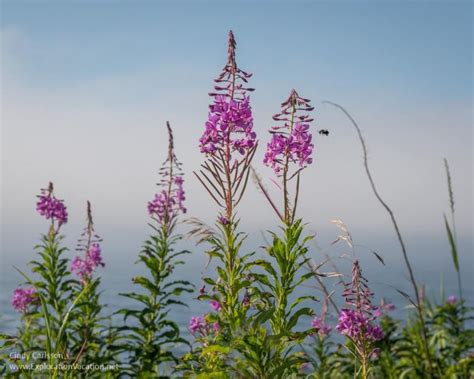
[(86, 89)]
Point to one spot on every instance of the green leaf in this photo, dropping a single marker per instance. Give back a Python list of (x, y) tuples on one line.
[(452, 242), (301, 299), (300, 312), (262, 317), (216, 349)]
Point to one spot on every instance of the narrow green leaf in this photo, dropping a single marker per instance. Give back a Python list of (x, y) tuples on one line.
[(452, 242)]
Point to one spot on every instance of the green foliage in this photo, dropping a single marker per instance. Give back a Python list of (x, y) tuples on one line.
[(450, 344), (47, 326), (258, 337), (233, 274), (90, 333), (54, 285), (290, 255), (149, 335), (258, 331), (320, 357), (223, 351)]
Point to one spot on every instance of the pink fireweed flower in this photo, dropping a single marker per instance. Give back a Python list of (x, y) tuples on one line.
[(390, 307), (23, 297), (292, 141), (161, 205), (81, 267), (384, 308), (351, 323), (223, 220), (228, 141), (374, 332), (229, 126), (378, 312), (452, 299), (168, 203), (180, 194), (230, 123), (321, 327), (197, 324), (94, 255), (296, 146), (51, 208), (356, 325), (357, 322), (84, 268), (215, 305), (375, 354)]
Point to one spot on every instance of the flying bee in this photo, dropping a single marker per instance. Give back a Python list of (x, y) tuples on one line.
[(324, 132)]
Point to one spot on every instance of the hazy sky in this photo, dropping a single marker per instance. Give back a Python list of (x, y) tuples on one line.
[(87, 87)]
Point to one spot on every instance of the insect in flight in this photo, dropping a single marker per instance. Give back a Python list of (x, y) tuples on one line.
[(324, 132)]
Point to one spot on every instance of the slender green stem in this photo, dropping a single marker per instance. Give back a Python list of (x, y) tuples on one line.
[(419, 302)]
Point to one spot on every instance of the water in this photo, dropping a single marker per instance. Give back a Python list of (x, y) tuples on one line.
[(430, 256)]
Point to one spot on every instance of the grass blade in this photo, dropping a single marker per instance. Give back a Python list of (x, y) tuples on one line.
[(452, 242)]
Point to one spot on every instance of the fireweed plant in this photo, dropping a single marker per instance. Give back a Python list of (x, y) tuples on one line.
[(49, 298), (229, 144), (357, 321), (288, 153), (149, 336), (25, 301), (88, 325), (321, 344)]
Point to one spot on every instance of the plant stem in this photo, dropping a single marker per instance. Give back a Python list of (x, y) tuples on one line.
[(398, 233), (453, 221)]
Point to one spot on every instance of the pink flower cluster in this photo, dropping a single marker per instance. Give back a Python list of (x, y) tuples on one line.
[(296, 146), (50, 207), (384, 308), (167, 205), (198, 324), (452, 299), (179, 193), (216, 305), (321, 327), (356, 325), (22, 297), (229, 124), (83, 268), (291, 142)]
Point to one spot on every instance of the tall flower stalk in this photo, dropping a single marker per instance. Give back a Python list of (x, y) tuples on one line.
[(229, 144), (88, 327), (288, 153), (321, 342), (25, 300), (152, 335), (357, 320), (290, 149), (52, 286), (417, 290)]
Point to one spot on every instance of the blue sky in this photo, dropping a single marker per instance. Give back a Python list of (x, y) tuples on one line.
[(422, 42), (87, 87)]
